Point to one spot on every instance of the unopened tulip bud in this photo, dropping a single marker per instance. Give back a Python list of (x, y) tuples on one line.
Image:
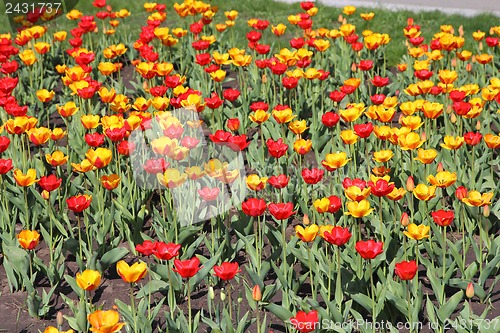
[(469, 292), (240, 299), (478, 125), (59, 319), (45, 195), (353, 67), (440, 167), (423, 136), (211, 293), (449, 109), (256, 293), (480, 46), (461, 192), (341, 18), (264, 78), (468, 67), (453, 118), (454, 62), (222, 295), (405, 219), (410, 184), (306, 220), (486, 211), (401, 116)]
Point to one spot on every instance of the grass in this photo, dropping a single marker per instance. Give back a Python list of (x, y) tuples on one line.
[(391, 22)]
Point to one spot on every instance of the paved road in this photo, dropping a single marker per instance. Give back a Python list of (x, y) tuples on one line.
[(463, 7)]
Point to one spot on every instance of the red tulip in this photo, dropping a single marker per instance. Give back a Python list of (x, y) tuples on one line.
[(231, 94), (348, 182), (290, 82), (472, 138), (166, 251), (94, 139), (238, 142), (363, 130), (233, 124), (335, 204), (338, 236), (337, 96), (276, 148), (330, 119), (4, 143), (146, 248), (381, 187), (278, 182), (227, 270), (443, 218), (297, 43), (369, 249), (203, 59), (254, 207), (423, 74), (5, 166), (377, 99), (187, 268), (213, 102), (379, 81), (79, 203), (457, 95), (50, 183), (406, 270), (305, 322), (461, 192), (312, 176), (125, 147), (154, 166), (220, 136), (281, 211), (461, 108), (365, 65)]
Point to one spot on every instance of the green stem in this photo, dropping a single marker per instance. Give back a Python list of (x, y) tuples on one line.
[(444, 265), (170, 293), (311, 281), (190, 324), (373, 296), (132, 305)]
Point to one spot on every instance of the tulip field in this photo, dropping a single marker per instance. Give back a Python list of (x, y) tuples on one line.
[(166, 171)]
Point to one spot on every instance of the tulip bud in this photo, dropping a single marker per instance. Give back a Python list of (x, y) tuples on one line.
[(480, 46), (306, 220), (264, 78), (59, 319), (461, 192), (454, 62), (468, 67), (410, 184), (461, 31), (405, 219), (469, 292), (341, 18), (423, 136), (256, 293), (45, 195), (486, 211), (211, 292), (353, 67), (478, 125), (222, 295), (240, 299), (440, 167), (453, 118), (449, 109)]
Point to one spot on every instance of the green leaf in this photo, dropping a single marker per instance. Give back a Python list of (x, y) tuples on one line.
[(449, 307), (111, 257), (279, 311)]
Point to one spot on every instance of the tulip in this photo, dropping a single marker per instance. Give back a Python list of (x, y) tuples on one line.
[(426, 156), (88, 280), (147, 248), (307, 234), (105, 321), (475, 198), (452, 143), (469, 291), (131, 274), (369, 249), (166, 251), (281, 211), (79, 203), (100, 157), (28, 239), (334, 161), (278, 182), (321, 205), (276, 149), (305, 322), (227, 270), (49, 183), (406, 270), (187, 268), (4, 143), (302, 146), (172, 178), (424, 192), (492, 141), (355, 193), (312, 176), (27, 179), (442, 179), (5, 166), (44, 95), (256, 183), (52, 329), (358, 209), (256, 293), (254, 207), (381, 187), (417, 232), (337, 236), (259, 116), (382, 156)]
